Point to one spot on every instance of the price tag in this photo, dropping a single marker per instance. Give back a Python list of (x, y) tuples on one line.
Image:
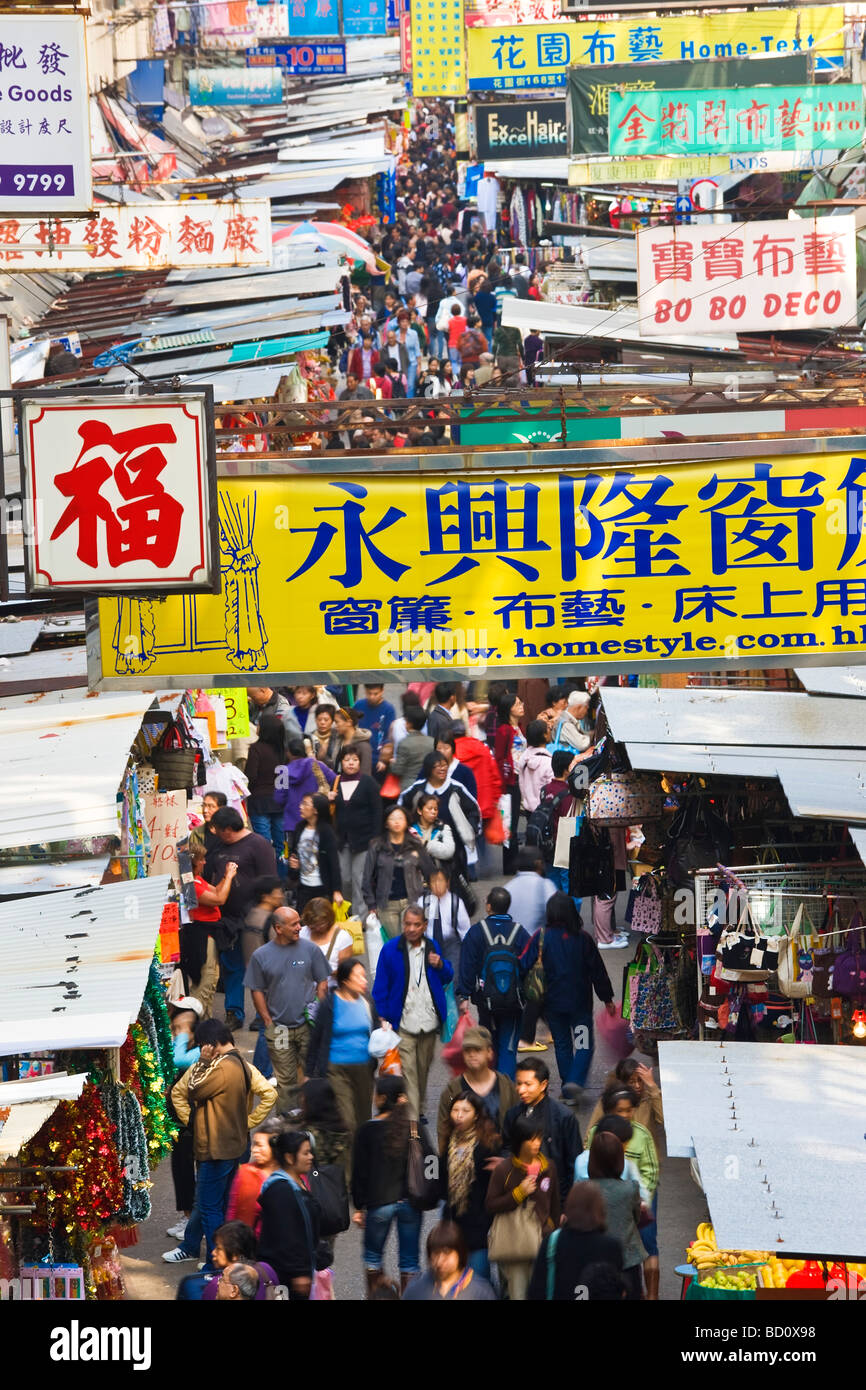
[(237, 710)]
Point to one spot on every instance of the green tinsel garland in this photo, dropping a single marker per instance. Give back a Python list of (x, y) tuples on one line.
[(161, 1131), (155, 999)]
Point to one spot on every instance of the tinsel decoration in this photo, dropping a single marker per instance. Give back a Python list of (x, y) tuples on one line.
[(161, 1132), (123, 1109), (155, 999), (79, 1134)]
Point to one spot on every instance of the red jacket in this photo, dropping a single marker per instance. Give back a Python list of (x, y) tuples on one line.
[(354, 364), (503, 752), (477, 756)]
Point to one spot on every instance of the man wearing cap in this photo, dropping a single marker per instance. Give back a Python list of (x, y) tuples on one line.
[(494, 1088)]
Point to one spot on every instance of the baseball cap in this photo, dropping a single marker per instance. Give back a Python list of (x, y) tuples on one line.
[(477, 1037), (188, 1001)]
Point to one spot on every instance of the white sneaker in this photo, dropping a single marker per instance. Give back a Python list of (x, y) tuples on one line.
[(178, 1231), (621, 940), (177, 1256), (608, 945)]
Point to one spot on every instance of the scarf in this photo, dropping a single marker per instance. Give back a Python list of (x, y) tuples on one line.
[(461, 1171)]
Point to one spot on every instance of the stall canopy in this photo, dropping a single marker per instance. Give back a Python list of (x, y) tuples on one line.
[(582, 321), (74, 966), (62, 766), (28, 1104), (780, 1169)]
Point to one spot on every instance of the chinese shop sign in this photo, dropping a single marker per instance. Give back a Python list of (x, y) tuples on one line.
[(747, 277), (646, 167), (539, 55), (438, 62), (511, 12), (521, 130), (622, 567), (364, 17), (301, 60), (119, 495), (720, 121), (588, 88), (141, 237), (44, 114), (313, 19), (235, 86)]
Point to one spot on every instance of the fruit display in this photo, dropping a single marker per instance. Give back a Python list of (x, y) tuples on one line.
[(739, 1270)]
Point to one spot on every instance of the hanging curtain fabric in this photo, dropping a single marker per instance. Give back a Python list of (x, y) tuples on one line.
[(133, 636), (245, 631)]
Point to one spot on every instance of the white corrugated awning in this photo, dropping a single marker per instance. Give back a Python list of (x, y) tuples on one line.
[(30, 1104), (73, 966), (740, 718), (825, 790), (858, 835), (580, 321), (62, 765), (833, 680)]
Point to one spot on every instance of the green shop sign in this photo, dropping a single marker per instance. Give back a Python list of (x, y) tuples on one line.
[(721, 121)]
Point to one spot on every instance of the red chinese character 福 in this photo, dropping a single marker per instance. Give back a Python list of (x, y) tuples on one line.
[(241, 233), (145, 235), (672, 260), (634, 120), (723, 259), (147, 526)]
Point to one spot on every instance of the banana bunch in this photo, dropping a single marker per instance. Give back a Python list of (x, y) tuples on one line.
[(705, 1254)]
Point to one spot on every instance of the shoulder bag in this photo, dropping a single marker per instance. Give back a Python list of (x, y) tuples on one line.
[(535, 984), (849, 967), (422, 1170), (515, 1235), (328, 1187), (745, 954)]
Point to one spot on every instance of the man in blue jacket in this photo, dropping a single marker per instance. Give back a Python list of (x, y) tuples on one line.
[(494, 940), (409, 993)]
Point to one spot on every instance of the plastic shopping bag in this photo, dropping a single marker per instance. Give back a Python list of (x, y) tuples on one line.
[(452, 1052)]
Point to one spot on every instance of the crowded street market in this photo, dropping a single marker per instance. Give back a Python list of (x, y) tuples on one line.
[(467, 372)]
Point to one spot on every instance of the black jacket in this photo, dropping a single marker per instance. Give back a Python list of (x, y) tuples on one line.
[(329, 858), (286, 1242), (562, 1141), (476, 1219), (378, 1179), (320, 1036), (439, 721), (574, 1251), (359, 820)]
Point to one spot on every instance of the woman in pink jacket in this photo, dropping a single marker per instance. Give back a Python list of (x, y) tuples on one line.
[(534, 766)]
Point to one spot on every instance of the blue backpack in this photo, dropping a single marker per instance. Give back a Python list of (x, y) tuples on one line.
[(500, 972)]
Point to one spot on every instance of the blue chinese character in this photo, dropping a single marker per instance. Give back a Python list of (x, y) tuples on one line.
[(593, 608), (854, 490), (348, 616), (706, 601), (529, 607), (848, 595), (775, 529), (356, 538), (513, 44), (553, 50), (634, 537), (600, 47), (423, 614), (644, 44), (768, 594), (478, 520)]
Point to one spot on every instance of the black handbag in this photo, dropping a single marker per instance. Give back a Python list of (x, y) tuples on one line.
[(698, 839), (328, 1186), (591, 872), (422, 1171), (748, 954)]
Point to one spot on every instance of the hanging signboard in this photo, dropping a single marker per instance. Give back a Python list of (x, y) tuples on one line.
[(120, 494), (745, 277), (523, 129), (301, 60), (539, 55), (618, 565), (588, 88), (235, 86), (438, 62), (361, 17), (511, 12), (406, 42), (44, 114), (313, 19), (719, 121), (644, 167), (142, 236)]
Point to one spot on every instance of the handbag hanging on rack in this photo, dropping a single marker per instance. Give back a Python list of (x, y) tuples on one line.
[(792, 982), (746, 955), (698, 839), (849, 967), (174, 759), (646, 905)]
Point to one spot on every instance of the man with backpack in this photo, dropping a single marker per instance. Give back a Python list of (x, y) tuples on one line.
[(491, 976), (530, 890)]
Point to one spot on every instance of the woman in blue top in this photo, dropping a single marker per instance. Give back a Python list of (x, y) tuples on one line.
[(185, 1013), (340, 1041)]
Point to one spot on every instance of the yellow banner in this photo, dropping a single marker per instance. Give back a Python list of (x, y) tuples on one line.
[(637, 170), (539, 55), (618, 569), (438, 58)]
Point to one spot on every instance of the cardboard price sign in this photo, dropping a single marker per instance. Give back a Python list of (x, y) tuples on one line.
[(165, 818), (237, 710)]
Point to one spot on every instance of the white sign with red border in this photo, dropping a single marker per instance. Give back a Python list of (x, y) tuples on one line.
[(747, 277), (120, 495)]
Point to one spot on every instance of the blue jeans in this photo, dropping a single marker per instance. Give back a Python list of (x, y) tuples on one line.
[(573, 1064), (505, 1031), (272, 829), (376, 1231), (211, 1198), (411, 377), (232, 962), (456, 360), (438, 343), (261, 1056), (559, 879)]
